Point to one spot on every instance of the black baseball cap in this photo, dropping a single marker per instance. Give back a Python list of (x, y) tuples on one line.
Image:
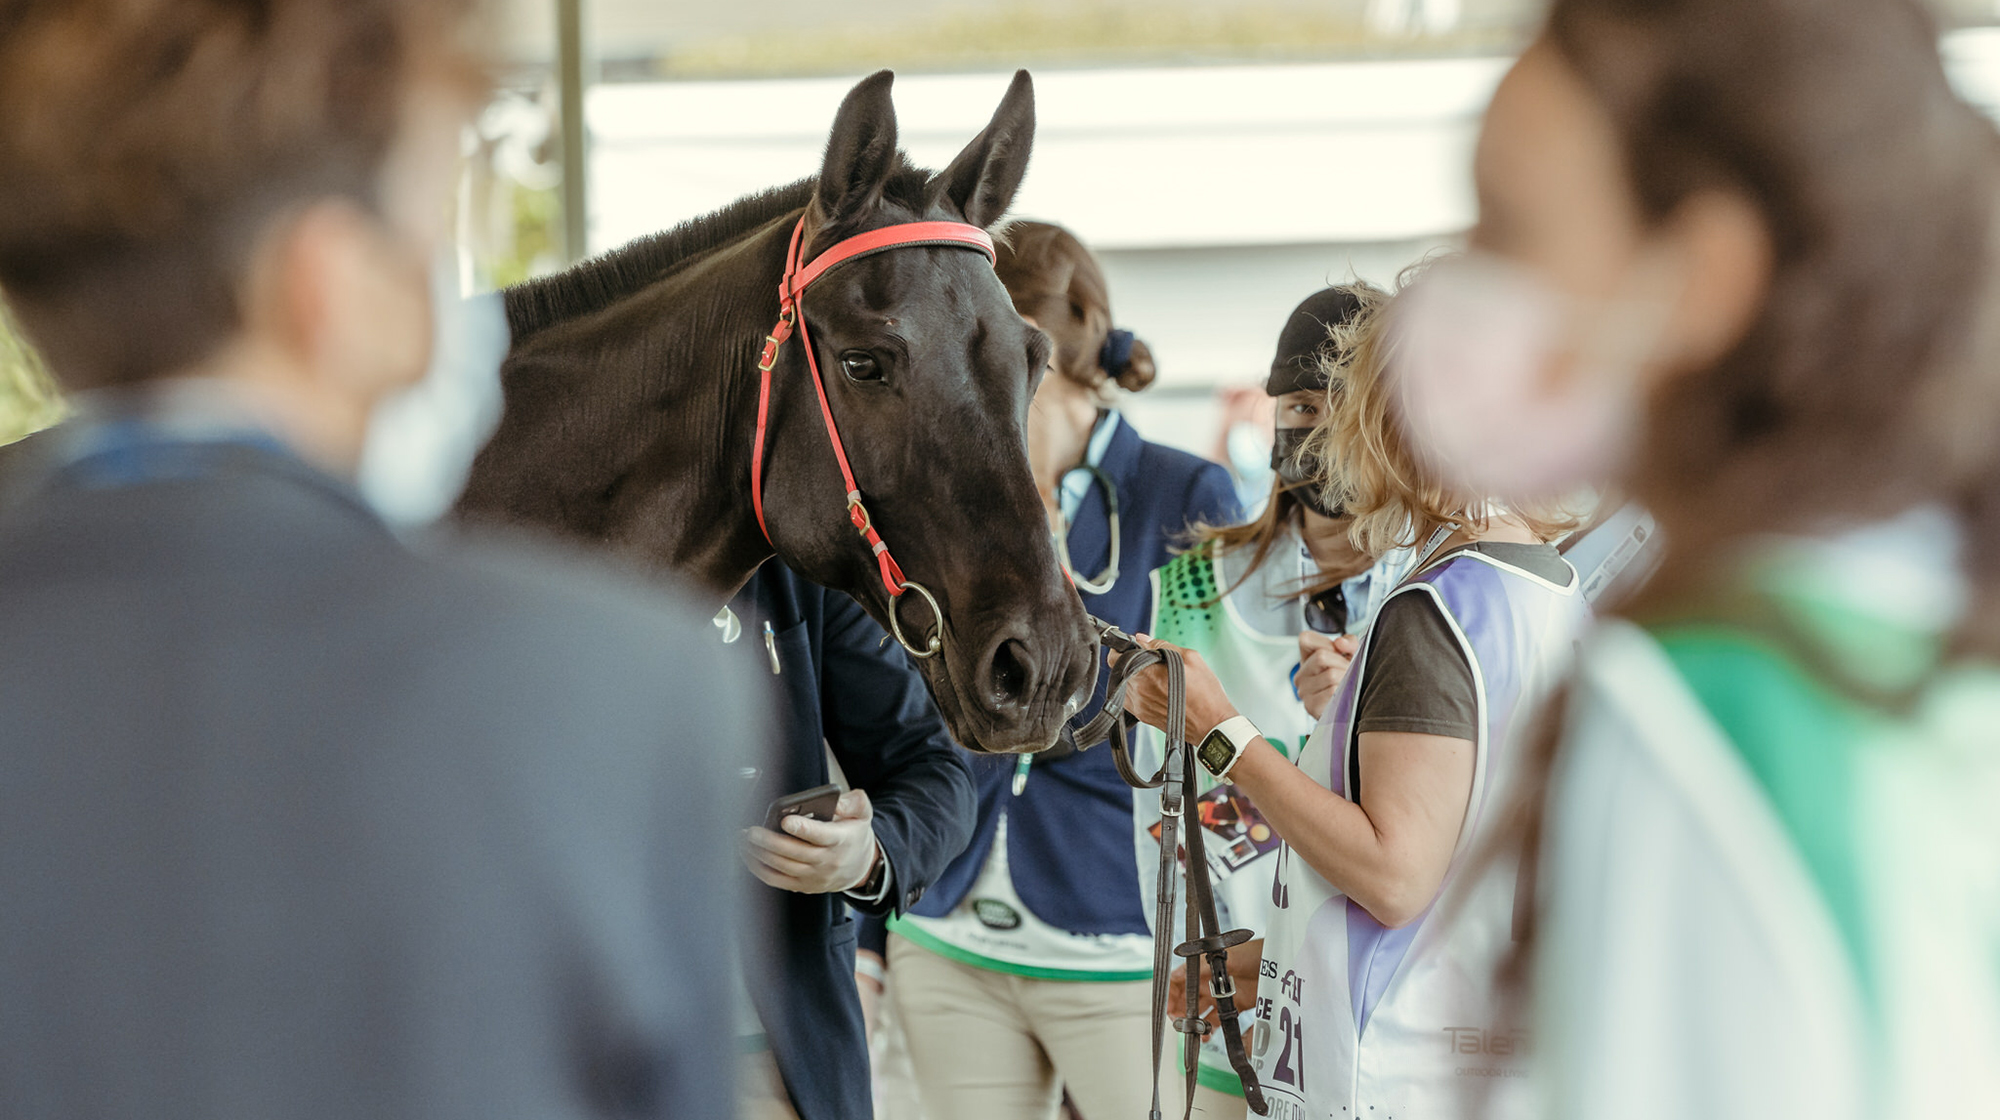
[(1300, 345)]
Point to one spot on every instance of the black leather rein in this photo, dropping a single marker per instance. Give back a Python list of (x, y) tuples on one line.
[(1206, 941)]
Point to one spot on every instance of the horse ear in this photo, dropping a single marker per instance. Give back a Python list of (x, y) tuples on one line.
[(981, 182), (861, 152)]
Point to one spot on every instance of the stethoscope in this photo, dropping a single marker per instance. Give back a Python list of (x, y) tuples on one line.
[(1108, 578)]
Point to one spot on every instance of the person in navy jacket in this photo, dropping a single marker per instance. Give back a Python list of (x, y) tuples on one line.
[(908, 812), (1033, 949)]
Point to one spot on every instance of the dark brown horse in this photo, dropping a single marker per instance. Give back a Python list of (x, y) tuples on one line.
[(631, 401)]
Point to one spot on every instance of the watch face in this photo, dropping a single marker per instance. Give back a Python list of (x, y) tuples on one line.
[(1215, 752)]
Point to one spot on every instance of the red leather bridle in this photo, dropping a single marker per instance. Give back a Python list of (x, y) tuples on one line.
[(798, 277)]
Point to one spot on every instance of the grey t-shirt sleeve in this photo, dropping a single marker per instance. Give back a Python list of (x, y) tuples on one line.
[(1417, 678)]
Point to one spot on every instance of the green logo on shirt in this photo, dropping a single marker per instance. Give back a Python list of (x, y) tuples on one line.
[(995, 914)]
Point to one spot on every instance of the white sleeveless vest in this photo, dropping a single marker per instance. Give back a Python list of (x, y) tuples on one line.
[(1190, 609), (1356, 1021)]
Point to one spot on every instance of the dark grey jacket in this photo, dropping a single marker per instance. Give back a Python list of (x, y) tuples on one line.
[(298, 821)]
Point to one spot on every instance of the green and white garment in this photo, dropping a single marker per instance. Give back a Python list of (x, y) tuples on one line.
[(994, 930), (1774, 851), (1249, 637)]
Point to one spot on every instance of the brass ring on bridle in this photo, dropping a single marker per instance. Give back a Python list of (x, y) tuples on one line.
[(936, 642)]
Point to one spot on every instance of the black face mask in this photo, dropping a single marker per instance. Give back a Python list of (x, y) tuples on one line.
[(1297, 470)]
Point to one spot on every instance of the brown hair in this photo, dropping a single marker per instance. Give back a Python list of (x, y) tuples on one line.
[(1260, 534), (1860, 388), (146, 144), (1056, 281), (1392, 493)]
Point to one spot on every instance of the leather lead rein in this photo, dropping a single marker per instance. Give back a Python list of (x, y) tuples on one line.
[(1207, 943)]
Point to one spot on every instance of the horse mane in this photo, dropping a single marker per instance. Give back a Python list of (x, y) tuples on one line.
[(604, 280)]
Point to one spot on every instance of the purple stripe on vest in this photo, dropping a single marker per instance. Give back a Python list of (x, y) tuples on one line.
[(1501, 616)]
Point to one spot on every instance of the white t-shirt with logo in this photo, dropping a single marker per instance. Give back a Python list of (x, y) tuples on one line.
[(992, 928)]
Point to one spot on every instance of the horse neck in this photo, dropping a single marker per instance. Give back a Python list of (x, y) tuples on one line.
[(629, 420), (716, 314)]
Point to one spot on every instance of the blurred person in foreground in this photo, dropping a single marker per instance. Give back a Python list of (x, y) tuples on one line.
[(1383, 935), (1738, 256), (296, 819)]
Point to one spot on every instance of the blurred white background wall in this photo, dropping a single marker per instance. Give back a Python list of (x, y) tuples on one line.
[(1216, 196)]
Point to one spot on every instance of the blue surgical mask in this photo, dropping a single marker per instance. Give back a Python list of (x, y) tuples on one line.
[(1249, 456), (421, 441)]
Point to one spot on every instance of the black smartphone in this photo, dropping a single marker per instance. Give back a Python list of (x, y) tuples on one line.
[(817, 804)]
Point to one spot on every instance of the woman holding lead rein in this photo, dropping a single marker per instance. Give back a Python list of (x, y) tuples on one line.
[(1273, 606), (1772, 870), (1377, 995), (1032, 952)]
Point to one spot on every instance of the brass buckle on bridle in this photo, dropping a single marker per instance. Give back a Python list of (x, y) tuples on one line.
[(779, 334)]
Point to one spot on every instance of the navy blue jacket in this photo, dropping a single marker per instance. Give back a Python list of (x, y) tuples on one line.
[(842, 687), (1069, 837)]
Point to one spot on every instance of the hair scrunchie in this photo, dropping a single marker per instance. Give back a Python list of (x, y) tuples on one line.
[(1116, 356)]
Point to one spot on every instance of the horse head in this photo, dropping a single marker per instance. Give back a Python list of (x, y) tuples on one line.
[(928, 373), (636, 403)]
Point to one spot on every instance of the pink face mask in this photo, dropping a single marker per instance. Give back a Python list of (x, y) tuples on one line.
[(1514, 390)]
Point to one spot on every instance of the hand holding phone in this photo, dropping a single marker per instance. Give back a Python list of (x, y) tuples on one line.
[(819, 841), (817, 803)]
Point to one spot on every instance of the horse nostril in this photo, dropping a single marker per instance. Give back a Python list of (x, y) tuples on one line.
[(1009, 674)]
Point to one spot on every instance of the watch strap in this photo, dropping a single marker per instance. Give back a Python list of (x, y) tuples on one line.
[(1240, 733), (875, 887)]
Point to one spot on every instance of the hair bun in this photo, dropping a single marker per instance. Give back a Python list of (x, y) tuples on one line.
[(1128, 361)]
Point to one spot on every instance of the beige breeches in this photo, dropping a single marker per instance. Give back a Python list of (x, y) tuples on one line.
[(992, 1046)]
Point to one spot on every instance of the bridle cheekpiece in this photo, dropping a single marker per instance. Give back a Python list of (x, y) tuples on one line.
[(798, 277)]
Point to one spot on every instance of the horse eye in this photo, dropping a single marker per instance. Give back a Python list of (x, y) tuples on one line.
[(860, 365)]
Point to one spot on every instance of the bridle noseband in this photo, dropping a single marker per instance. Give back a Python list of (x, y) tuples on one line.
[(798, 277)]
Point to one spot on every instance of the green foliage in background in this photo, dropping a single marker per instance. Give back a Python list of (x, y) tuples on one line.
[(28, 400), (535, 248), (1073, 34)]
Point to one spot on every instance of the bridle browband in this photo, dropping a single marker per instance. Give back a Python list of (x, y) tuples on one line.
[(799, 276)]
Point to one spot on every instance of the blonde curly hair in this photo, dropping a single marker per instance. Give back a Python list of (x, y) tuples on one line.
[(1369, 465)]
